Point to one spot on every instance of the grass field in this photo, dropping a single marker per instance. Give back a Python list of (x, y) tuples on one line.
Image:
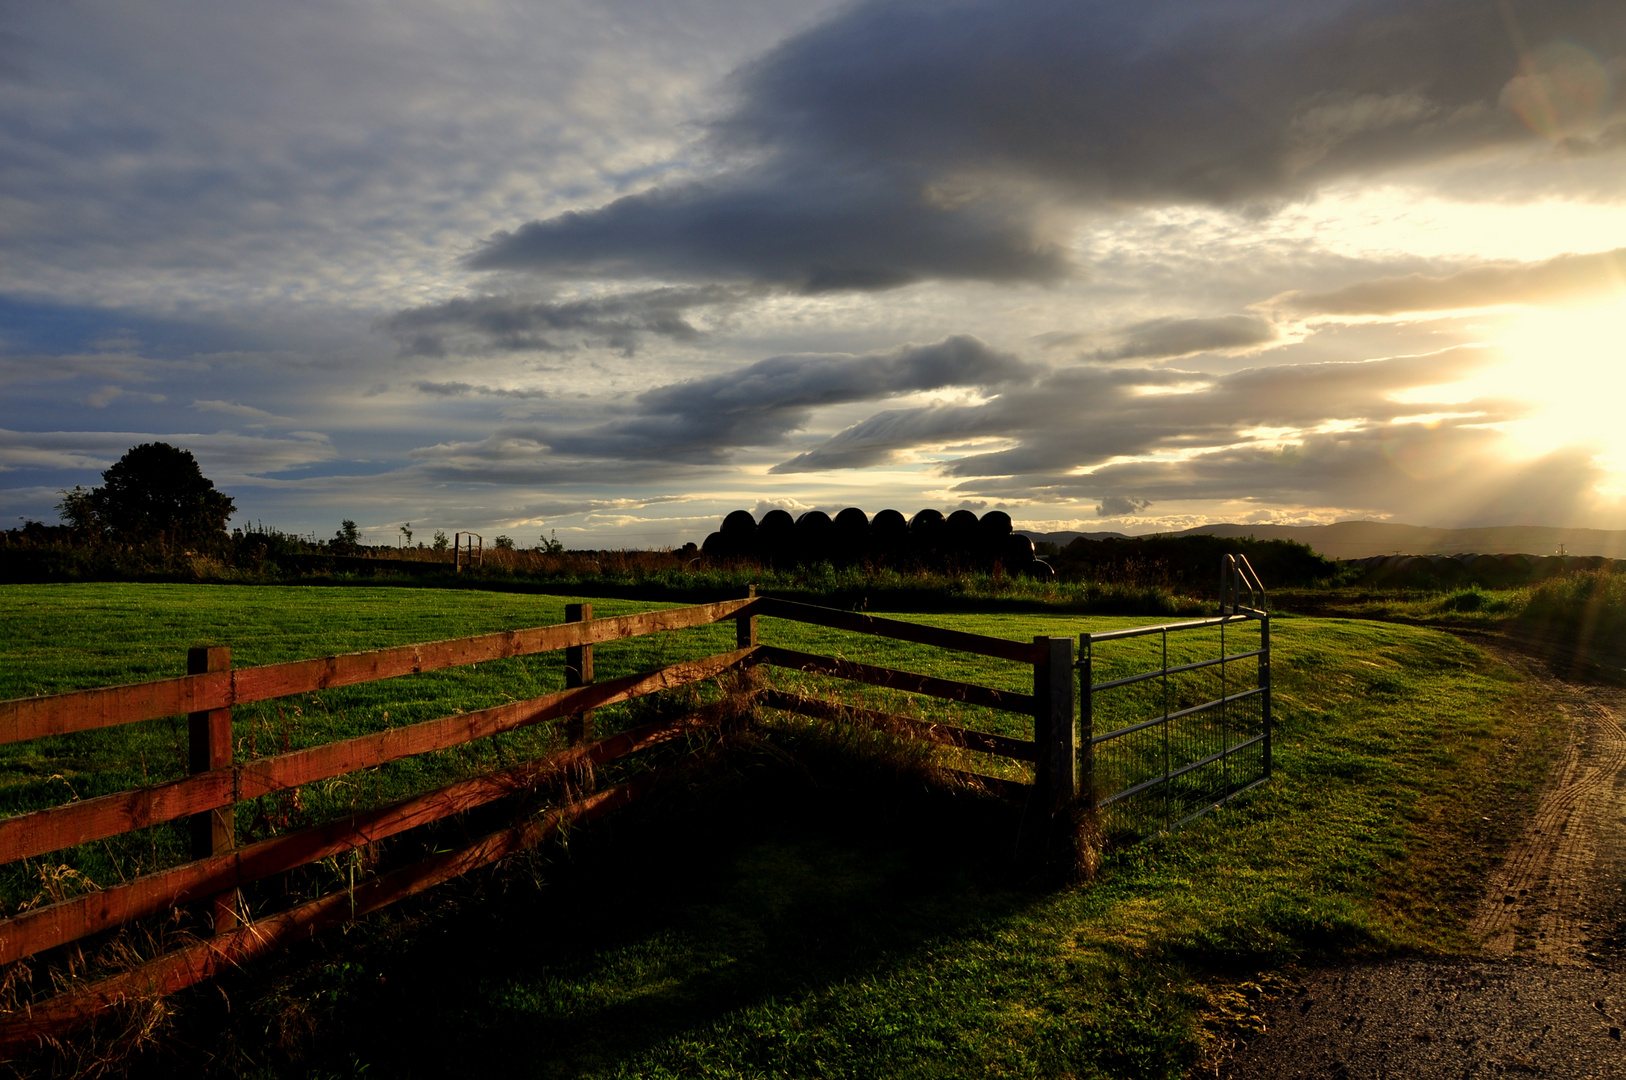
[(777, 920)]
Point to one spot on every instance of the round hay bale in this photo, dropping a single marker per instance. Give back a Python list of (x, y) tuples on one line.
[(888, 532), (926, 530), (849, 534), (776, 537), (1016, 552), (740, 527), (813, 537), (1040, 569), (715, 547), (1543, 566), (962, 531), (994, 527)]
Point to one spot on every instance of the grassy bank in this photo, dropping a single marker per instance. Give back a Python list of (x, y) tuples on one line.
[(780, 917)]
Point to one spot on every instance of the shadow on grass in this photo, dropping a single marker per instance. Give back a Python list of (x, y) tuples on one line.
[(760, 885)]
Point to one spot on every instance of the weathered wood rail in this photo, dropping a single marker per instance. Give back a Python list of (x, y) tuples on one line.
[(207, 798)]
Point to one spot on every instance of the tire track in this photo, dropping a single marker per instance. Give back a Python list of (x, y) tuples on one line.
[(1541, 900)]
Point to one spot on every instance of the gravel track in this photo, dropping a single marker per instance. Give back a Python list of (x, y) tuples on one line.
[(1547, 996)]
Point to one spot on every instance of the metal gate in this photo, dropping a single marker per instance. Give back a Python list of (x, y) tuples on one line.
[(1181, 724)]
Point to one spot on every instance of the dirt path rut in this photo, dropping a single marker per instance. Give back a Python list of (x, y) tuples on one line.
[(1552, 898)]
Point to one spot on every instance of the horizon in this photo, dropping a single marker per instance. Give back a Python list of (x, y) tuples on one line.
[(611, 271)]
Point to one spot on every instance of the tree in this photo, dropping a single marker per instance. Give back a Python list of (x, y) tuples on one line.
[(154, 492), (505, 543), (347, 537), (78, 510)]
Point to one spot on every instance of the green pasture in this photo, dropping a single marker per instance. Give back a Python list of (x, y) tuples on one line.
[(767, 928)]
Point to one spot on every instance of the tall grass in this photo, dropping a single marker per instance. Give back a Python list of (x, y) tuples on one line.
[(1585, 610)]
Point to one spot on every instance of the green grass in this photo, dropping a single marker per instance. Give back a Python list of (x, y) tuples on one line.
[(786, 917)]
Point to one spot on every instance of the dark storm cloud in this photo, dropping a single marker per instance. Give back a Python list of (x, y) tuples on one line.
[(1083, 416), (1565, 279), (904, 139), (487, 324), (808, 226)]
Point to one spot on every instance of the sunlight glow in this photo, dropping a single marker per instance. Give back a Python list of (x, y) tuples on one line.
[(1570, 365)]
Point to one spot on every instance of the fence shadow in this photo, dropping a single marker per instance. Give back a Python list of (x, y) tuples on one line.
[(762, 881)]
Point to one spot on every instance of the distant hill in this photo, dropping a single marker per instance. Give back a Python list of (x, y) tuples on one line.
[(1062, 539), (1362, 539)]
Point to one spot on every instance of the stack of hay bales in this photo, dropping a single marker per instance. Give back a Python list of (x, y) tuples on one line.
[(961, 541)]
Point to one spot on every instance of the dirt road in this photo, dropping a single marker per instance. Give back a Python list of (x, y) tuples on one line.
[(1547, 996)]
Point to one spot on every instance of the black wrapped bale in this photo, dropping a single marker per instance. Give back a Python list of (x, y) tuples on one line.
[(961, 536), (1041, 570), (776, 538), (849, 535), (715, 548), (1015, 553), (740, 528), (994, 527), (926, 533), (889, 534), (813, 537)]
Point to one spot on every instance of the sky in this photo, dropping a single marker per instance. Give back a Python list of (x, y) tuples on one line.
[(605, 271)]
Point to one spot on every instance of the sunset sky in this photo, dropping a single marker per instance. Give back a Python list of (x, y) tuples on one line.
[(615, 268)]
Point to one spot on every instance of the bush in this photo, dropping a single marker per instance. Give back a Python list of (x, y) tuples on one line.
[(1191, 563)]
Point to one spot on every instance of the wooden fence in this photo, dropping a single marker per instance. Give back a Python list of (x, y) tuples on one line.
[(207, 798)]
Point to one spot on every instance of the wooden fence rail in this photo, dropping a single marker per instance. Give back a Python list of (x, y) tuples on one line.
[(219, 868)]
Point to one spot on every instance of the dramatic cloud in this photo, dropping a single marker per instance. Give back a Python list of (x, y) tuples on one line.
[(1163, 339), (1084, 416), (495, 324), (705, 420), (1453, 470), (1566, 279), (520, 261), (811, 226), (1120, 506), (902, 140)]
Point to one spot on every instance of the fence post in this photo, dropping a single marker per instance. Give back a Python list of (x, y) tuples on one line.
[(1055, 778), (1086, 720), (745, 628), (209, 747), (578, 672), (1264, 682)]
